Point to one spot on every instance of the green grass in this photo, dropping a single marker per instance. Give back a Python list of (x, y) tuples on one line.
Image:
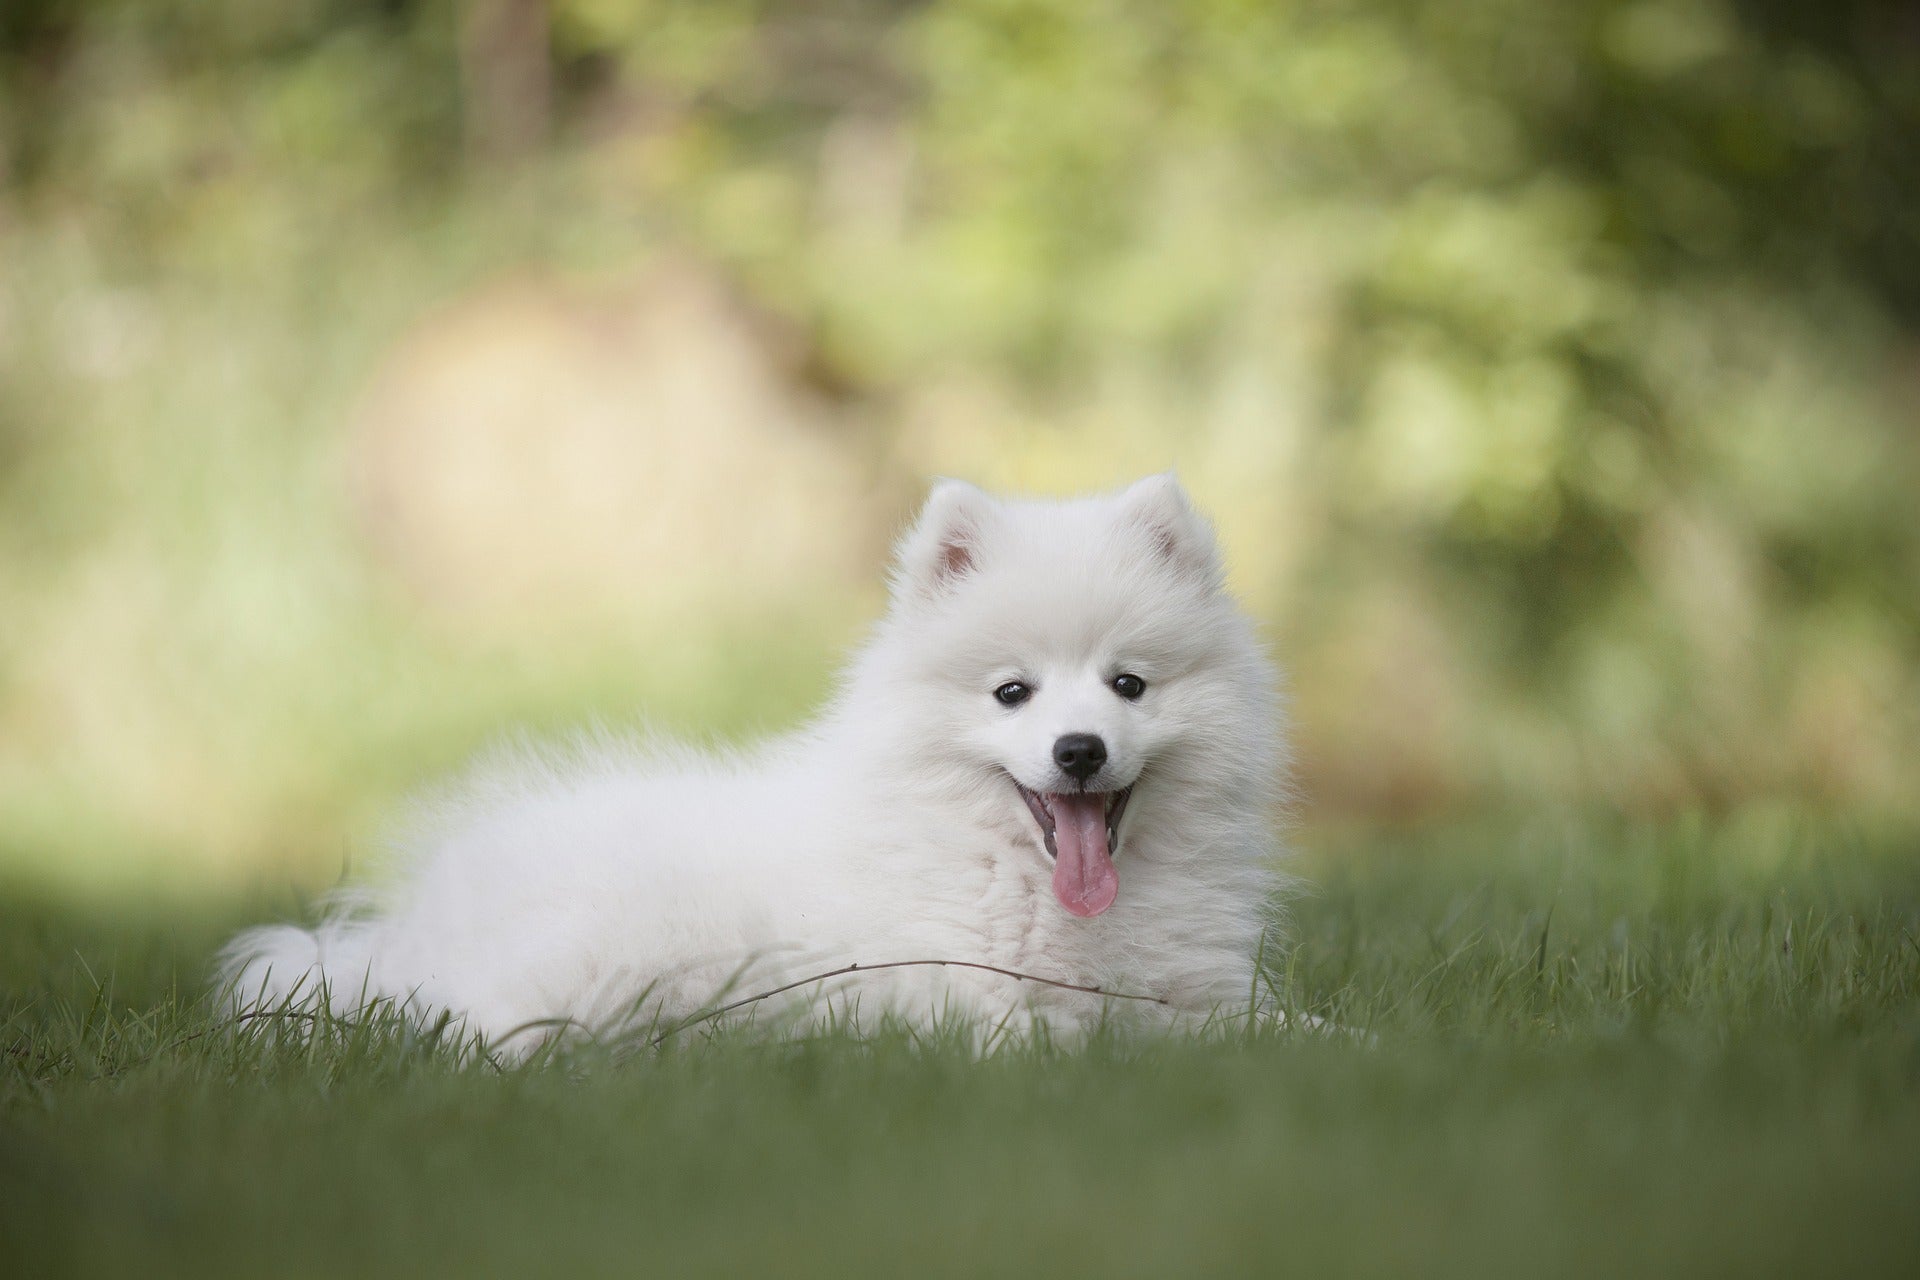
[(1596, 1050)]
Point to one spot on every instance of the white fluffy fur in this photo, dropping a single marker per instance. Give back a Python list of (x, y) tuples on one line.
[(617, 882)]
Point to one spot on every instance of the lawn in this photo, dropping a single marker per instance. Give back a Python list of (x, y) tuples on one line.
[(1591, 1048)]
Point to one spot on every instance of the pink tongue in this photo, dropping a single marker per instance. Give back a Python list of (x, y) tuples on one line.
[(1083, 876)]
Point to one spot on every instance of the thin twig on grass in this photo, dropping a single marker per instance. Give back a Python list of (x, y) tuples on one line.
[(721, 1011)]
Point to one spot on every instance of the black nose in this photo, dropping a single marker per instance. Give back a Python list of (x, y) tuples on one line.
[(1080, 754)]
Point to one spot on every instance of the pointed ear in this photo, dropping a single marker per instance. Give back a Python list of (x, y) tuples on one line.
[(943, 545), (1179, 535)]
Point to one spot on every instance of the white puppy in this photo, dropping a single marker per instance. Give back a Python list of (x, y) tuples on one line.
[(1059, 755)]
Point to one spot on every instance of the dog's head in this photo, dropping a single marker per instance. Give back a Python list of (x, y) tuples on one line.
[(1069, 652)]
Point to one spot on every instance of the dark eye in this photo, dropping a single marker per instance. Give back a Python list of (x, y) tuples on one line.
[(1129, 686), (1012, 693)]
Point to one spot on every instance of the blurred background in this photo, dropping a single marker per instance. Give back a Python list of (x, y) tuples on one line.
[(377, 376)]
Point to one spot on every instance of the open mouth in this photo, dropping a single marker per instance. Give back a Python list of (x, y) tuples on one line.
[(1081, 829)]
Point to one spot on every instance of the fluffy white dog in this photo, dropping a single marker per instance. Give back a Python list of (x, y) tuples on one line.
[(1060, 755)]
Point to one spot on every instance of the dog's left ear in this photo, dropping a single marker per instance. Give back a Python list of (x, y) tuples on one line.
[(1179, 535), (944, 544)]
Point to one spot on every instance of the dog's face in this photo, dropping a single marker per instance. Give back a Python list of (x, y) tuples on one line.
[(1066, 651)]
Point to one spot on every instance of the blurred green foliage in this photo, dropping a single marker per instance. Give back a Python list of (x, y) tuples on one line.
[(1550, 367)]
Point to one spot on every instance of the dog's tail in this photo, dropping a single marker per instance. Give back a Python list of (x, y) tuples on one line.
[(281, 967)]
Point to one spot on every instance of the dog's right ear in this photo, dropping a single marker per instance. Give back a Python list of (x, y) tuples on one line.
[(1181, 536), (944, 544)]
